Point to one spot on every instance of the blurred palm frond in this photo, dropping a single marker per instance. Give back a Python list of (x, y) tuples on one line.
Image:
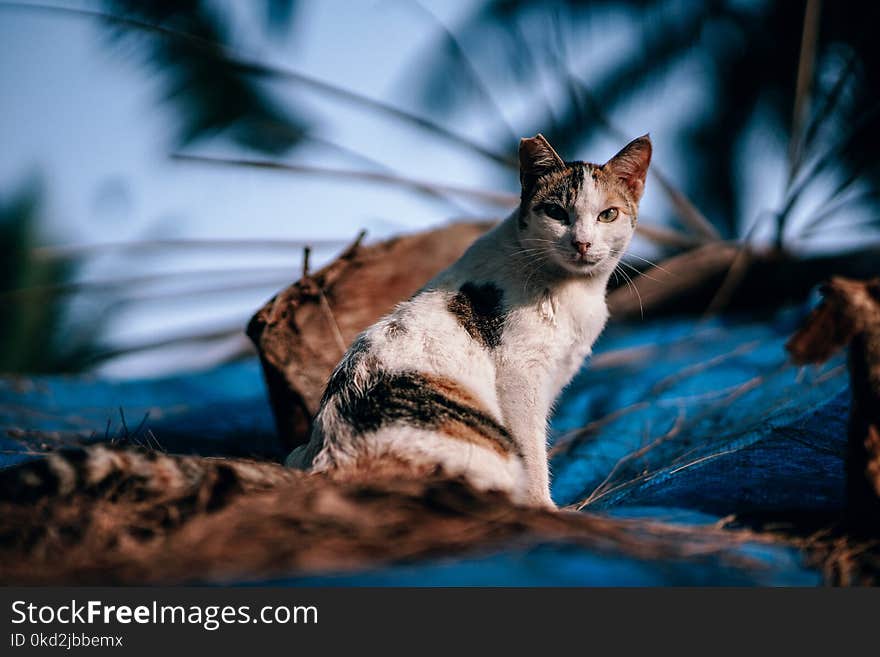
[(211, 93), (745, 56), (35, 337)]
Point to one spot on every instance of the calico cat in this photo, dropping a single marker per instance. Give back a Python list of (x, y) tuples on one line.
[(464, 374)]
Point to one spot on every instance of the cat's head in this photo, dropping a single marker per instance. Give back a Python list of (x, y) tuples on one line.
[(576, 215)]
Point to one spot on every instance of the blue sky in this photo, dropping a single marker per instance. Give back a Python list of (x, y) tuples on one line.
[(86, 117)]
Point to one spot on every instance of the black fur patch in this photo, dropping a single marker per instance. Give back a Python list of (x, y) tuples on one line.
[(480, 311), (410, 398), (343, 373)]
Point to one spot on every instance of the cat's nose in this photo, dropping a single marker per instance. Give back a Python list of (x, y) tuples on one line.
[(581, 247)]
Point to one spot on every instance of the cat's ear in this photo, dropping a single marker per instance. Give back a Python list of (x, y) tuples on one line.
[(536, 158), (630, 165)]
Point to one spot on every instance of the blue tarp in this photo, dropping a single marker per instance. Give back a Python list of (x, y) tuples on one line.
[(678, 420)]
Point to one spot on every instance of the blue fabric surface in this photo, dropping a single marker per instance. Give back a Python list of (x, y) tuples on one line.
[(749, 432), (687, 422), (567, 565), (220, 412)]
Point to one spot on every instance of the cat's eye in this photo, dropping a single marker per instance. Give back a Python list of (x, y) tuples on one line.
[(555, 211), (607, 216)]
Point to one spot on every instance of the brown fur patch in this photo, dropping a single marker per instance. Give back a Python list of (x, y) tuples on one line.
[(484, 436), (469, 434), (453, 390), (389, 465)]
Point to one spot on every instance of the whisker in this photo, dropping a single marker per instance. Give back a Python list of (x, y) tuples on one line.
[(650, 262), (640, 273), (632, 286), (533, 267)]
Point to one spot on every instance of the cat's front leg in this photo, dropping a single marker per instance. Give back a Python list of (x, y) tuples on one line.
[(525, 406)]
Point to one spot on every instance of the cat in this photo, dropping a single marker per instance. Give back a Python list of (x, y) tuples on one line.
[(464, 374)]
